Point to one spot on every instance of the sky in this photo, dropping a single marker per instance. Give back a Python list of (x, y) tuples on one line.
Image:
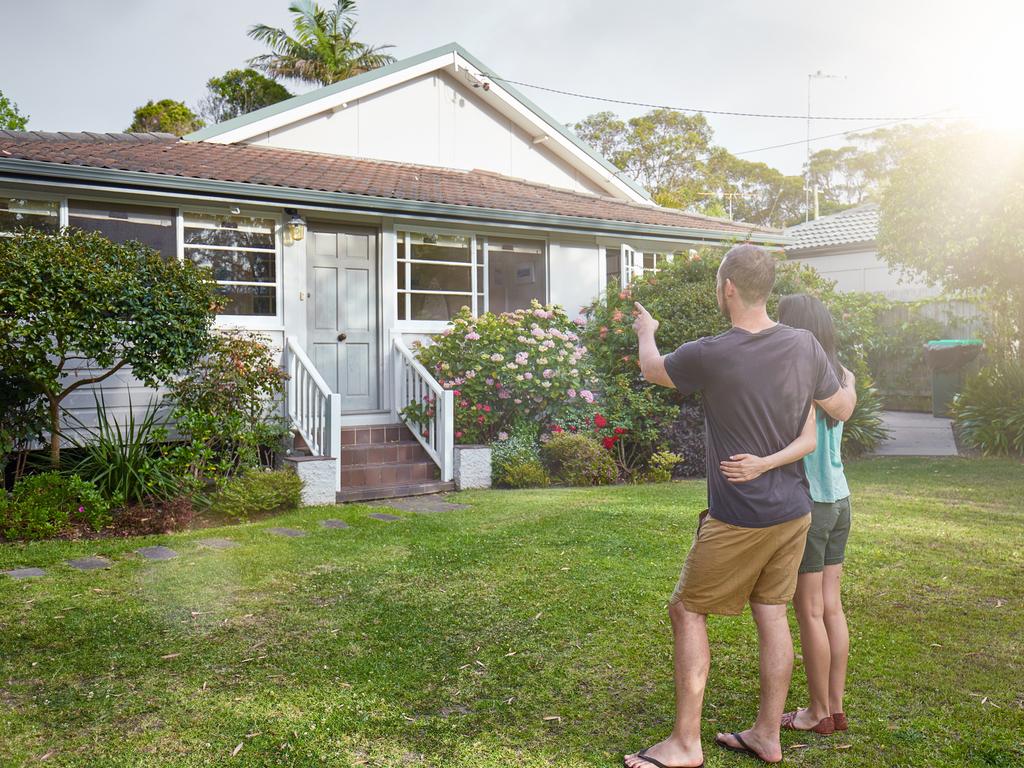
[(87, 64)]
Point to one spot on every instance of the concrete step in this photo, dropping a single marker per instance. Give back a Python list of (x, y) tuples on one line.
[(387, 453), (394, 491)]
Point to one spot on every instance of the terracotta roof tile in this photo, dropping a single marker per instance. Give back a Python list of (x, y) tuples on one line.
[(166, 155)]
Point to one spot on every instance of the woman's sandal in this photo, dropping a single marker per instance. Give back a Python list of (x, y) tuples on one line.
[(642, 754), (826, 726), (743, 748)]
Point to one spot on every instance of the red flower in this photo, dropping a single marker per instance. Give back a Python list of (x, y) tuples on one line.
[(458, 434), (557, 430), (600, 421), (487, 409), (620, 430), (480, 419), (609, 442), (456, 392)]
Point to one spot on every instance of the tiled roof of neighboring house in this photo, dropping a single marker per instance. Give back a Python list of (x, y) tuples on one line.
[(854, 225), (166, 155)]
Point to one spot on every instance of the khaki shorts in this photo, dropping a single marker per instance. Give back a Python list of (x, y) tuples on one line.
[(729, 566)]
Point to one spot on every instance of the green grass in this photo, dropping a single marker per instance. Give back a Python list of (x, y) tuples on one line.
[(446, 639)]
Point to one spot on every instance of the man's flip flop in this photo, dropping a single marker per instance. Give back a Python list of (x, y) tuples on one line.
[(742, 749), (642, 754)]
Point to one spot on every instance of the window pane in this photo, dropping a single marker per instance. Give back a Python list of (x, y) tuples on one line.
[(649, 260), (516, 274), (239, 231), (434, 306), (248, 300), (440, 277), (612, 263), (243, 266), (439, 247), (16, 213), (120, 223)]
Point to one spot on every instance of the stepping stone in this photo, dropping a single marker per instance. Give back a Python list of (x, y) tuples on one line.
[(333, 524), (93, 563), (425, 505), (217, 543), (24, 573), (290, 532), (157, 553), (385, 517)]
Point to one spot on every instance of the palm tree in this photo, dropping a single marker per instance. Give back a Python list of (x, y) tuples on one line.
[(322, 50)]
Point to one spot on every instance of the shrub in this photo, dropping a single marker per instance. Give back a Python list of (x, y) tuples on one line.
[(22, 415), (515, 458), (989, 412), (686, 439), (864, 430), (526, 364), (660, 466), (226, 406), (255, 492), (48, 503), (74, 295), (578, 460), (127, 462)]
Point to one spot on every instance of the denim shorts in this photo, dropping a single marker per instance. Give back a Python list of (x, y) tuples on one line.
[(826, 538)]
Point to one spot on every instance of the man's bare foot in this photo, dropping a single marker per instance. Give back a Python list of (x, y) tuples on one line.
[(671, 752), (767, 749)]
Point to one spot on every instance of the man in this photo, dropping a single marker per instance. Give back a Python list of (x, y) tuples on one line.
[(759, 380)]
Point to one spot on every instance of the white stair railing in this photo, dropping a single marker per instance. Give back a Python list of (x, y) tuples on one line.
[(314, 410), (415, 386)]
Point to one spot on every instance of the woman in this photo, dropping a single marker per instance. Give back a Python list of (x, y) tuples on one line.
[(824, 635)]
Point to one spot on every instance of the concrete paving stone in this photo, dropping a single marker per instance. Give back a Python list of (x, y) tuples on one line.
[(384, 516), (158, 552), (217, 543), (333, 524), (916, 434), (290, 532), (92, 563), (24, 573)]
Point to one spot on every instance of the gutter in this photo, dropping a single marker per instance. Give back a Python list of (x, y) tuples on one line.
[(35, 170)]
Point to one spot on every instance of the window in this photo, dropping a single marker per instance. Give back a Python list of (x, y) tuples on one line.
[(154, 227), (516, 274), (622, 261), (16, 213), (437, 276), (613, 264), (241, 252)]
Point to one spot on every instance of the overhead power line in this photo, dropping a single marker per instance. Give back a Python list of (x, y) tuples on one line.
[(767, 115)]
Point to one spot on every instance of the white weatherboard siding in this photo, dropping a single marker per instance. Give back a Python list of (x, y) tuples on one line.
[(863, 271), (431, 120)]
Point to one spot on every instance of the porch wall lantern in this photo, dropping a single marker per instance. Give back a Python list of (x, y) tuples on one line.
[(296, 225)]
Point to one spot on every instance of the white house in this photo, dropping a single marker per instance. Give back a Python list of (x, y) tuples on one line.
[(346, 222), (843, 247)]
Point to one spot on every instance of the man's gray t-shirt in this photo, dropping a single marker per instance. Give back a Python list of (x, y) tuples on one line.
[(758, 389)]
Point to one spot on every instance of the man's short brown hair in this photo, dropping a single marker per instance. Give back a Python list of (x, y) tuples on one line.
[(751, 269)]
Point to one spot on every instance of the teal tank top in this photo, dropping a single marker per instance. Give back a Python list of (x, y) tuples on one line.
[(824, 467)]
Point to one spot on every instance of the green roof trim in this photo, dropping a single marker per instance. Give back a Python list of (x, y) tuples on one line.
[(241, 121), (28, 170)]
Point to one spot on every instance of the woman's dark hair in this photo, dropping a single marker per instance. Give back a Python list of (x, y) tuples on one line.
[(800, 310)]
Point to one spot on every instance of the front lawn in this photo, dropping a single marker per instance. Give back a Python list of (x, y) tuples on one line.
[(528, 630)]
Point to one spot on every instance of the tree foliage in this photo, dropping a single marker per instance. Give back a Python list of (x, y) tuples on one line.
[(953, 213), (76, 308), (321, 48), (10, 118), (238, 92), (165, 116)]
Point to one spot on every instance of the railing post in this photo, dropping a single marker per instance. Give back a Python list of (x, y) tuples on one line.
[(333, 437), (398, 364), (448, 435)]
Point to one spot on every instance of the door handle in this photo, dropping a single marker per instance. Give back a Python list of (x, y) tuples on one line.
[(342, 336)]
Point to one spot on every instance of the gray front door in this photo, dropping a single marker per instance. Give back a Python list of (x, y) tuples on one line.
[(342, 312)]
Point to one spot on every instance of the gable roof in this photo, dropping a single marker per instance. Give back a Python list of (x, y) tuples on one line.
[(450, 56), (849, 227), (291, 175)]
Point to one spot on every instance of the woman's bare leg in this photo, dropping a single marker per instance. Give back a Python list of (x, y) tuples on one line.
[(814, 643), (838, 635)]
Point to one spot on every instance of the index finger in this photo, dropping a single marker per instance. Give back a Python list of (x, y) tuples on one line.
[(640, 306)]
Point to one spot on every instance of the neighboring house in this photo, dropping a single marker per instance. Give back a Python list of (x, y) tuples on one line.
[(347, 222), (842, 247)]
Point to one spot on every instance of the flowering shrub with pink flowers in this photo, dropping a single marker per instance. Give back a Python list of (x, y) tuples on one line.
[(524, 365)]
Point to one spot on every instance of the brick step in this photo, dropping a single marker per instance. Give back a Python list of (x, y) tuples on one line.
[(397, 473), (376, 434), (394, 491), (388, 453)]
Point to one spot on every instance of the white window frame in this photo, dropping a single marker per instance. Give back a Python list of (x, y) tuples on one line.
[(62, 204), (252, 322)]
